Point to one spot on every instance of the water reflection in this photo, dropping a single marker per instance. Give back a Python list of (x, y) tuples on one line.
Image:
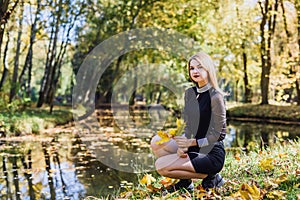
[(46, 175), (73, 166), (249, 134)]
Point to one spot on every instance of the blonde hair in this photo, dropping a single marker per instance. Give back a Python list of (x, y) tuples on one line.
[(207, 63)]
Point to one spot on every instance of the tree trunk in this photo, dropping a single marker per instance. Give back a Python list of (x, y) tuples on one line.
[(14, 83), (59, 59), (246, 81), (269, 13), (51, 54), (236, 92), (4, 16), (28, 60), (5, 70), (264, 95)]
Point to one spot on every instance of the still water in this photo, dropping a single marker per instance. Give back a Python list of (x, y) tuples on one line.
[(78, 163)]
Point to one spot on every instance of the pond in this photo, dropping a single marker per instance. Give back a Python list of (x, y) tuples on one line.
[(89, 160)]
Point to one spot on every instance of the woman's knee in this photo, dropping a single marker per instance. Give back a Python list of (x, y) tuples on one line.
[(162, 172), (153, 144), (160, 168)]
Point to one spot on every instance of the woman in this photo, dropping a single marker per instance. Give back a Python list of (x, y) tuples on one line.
[(199, 153)]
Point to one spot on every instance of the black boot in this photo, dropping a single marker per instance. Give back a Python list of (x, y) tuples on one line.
[(213, 181), (186, 184)]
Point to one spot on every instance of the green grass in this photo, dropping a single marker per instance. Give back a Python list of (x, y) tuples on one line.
[(260, 174), (33, 120)]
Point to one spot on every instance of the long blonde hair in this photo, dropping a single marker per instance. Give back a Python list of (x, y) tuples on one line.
[(207, 63)]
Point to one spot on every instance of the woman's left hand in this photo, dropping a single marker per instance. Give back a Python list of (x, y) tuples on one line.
[(183, 142)]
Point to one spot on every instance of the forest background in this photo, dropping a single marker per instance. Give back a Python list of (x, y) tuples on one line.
[(43, 43), (254, 43)]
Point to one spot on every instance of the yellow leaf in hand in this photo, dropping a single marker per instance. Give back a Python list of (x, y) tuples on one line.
[(180, 127), (164, 137), (172, 132), (178, 122)]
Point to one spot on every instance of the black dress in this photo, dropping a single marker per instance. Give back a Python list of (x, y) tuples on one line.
[(205, 118)]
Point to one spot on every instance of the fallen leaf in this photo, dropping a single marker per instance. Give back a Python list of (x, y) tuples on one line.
[(281, 178), (166, 182), (266, 164), (249, 192), (276, 194), (148, 179)]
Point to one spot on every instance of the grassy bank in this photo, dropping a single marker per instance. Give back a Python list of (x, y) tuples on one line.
[(267, 113), (32, 120), (260, 174)]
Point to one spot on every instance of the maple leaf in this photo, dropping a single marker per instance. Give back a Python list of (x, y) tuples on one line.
[(164, 137)]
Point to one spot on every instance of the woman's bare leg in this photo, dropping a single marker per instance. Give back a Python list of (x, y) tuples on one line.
[(166, 148), (173, 166)]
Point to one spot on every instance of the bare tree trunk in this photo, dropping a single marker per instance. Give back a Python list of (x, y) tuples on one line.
[(269, 12), (236, 92), (4, 16), (263, 55), (51, 54), (14, 83), (28, 60), (5, 70), (246, 80), (59, 60)]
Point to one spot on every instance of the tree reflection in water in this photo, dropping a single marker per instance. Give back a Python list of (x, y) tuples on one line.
[(53, 180), (65, 167)]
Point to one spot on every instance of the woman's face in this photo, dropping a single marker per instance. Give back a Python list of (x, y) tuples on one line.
[(198, 74)]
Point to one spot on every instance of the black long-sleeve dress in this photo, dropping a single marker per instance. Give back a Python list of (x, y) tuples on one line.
[(205, 118)]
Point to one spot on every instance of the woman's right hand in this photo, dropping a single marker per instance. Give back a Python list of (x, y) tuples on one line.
[(181, 153)]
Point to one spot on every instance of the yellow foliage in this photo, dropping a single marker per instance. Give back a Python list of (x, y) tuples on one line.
[(247, 192), (148, 179), (266, 164), (281, 178), (276, 194), (166, 182), (165, 137)]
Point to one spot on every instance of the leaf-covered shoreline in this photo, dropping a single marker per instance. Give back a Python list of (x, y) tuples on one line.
[(265, 113)]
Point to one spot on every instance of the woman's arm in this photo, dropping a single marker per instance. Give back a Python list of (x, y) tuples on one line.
[(217, 128)]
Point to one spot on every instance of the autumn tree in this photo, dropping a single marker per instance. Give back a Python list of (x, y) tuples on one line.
[(5, 13), (269, 11)]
